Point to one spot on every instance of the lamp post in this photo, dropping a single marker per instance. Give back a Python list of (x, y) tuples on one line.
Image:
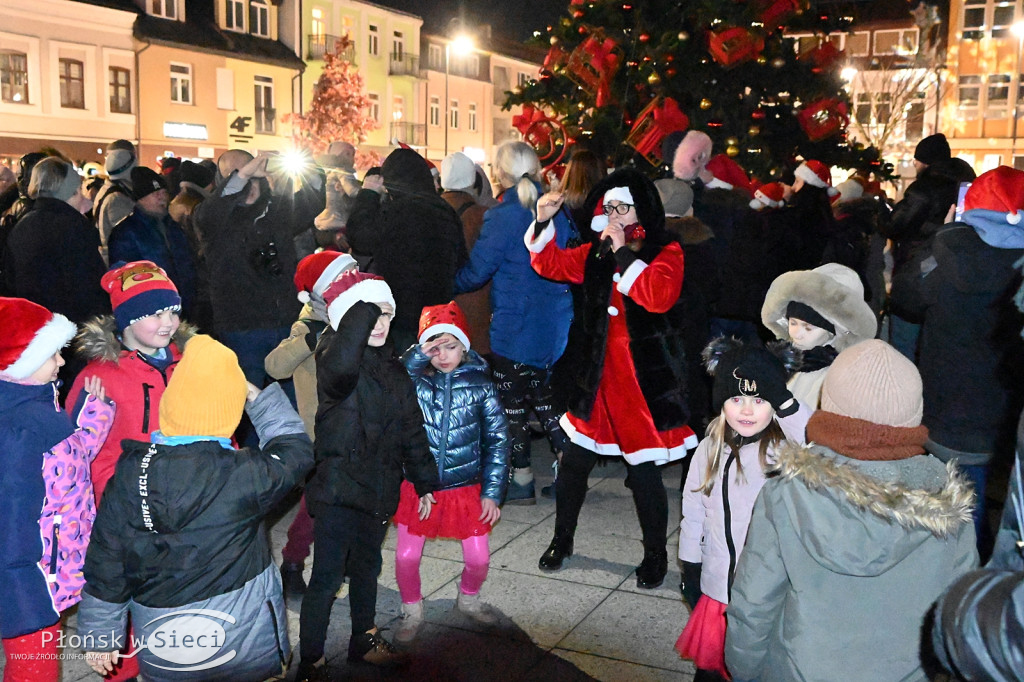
[(1018, 30), (462, 45)]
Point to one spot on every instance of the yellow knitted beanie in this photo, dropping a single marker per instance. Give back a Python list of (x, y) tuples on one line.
[(206, 393)]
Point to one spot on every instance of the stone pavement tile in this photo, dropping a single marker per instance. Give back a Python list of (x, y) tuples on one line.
[(533, 607), (609, 510), (599, 560), (607, 669), (633, 628)]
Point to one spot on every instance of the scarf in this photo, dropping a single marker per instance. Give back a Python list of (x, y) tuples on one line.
[(864, 440), (817, 358)]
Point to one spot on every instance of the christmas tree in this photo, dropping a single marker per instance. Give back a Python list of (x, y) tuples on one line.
[(621, 74), (339, 111)]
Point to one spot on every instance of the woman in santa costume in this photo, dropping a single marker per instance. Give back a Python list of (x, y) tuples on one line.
[(623, 370)]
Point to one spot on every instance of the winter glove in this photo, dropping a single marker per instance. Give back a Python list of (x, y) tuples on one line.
[(316, 328), (690, 586)]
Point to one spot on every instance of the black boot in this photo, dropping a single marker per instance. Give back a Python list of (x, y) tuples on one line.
[(311, 672), (557, 552), (651, 571), (291, 580)]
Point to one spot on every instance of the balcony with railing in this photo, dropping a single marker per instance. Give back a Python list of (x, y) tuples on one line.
[(404, 65), (321, 44), (412, 134)]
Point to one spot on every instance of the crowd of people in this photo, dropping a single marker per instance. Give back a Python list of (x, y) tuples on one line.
[(838, 374)]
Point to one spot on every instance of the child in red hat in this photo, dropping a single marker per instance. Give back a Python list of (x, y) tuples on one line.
[(468, 435)]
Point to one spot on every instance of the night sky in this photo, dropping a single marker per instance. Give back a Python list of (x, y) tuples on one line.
[(515, 19)]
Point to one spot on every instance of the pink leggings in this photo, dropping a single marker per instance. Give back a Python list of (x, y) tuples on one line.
[(475, 554)]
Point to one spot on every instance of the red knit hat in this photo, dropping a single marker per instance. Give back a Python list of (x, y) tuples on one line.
[(31, 335), (1000, 189), (138, 290), (444, 319), (816, 174), (354, 286), (315, 272), (770, 195)]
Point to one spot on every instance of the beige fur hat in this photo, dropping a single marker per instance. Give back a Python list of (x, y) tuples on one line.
[(834, 291)]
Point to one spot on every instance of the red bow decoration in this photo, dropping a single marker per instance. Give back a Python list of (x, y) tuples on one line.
[(823, 56), (659, 118), (776, 12), (823, 118), (556, 57), (593, 64), (734, 45)]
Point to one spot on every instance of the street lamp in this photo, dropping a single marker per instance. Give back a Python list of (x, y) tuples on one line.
[(1018, 30), (462, 45)]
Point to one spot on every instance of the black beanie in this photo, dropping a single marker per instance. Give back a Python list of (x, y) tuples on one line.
[(802, 311), (145, 181), (932, 149)]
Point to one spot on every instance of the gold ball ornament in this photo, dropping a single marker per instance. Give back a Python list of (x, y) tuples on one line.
[(778, 62), (705, 103), (762, 60), (517, 90), (566, 22), (732, 150), (731, 142), (683, 35), (554, 40), (754, 131), (654, 78)]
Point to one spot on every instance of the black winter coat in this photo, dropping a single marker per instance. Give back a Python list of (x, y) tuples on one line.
[(809, 214), (413, 239), (368, 424), (141, 236), (53, 259)]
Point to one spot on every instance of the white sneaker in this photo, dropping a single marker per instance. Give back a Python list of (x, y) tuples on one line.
[(409, 625), (471, 606)]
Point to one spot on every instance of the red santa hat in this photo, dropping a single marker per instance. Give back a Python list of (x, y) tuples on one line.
[(31, 335), (770, 195), (816, 174), (354, 286), (315, 272), (600, 220), (1000, 190), (444, 319), (728, 174)]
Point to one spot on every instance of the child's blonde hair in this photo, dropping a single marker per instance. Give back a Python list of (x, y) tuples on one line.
[(723, 435)]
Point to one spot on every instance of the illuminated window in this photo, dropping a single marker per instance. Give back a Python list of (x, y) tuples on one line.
[(181, 83), (266, 115), (120, 90), (72, 84), (14, 77)]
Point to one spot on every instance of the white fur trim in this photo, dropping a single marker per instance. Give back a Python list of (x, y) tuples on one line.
[(833, 192), (717, 184), (1013, 218), (599, 222), (331, 272), (657, 455), (369, 290), (629, 277), (445, 329), (536, 246), (621, 194), (49, 339), (303, 296), (804, 172)]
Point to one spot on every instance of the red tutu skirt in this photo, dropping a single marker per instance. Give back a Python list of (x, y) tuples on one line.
[(703, 638), (455, 515)]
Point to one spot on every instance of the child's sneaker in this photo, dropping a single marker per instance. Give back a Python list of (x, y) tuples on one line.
[(470, 606), (410, 622)]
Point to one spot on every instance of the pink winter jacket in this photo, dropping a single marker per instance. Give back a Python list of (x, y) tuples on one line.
[(703, 537)]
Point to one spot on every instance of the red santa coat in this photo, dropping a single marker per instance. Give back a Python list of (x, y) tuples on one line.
[(620, 422)]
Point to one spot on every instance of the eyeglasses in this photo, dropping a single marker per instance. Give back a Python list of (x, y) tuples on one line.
[(621, 209)]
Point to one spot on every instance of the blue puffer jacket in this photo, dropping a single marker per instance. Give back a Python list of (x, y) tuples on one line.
[(465, 422), (531, 315)]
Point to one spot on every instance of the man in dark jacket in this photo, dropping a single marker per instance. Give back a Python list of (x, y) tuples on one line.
[(247, 227), (368, 429), (14, 204), (412, 238), (182, 528), (148, 233)]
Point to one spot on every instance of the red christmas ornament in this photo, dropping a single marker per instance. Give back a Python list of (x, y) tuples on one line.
[(670, 72), (734, 45), (658, 119), (715, 123), (823, 118), (776, 12), (556, 57), (759, 114), (582, 30), (537, 129), (643, 37), (577, 14), (822, 57), (593, 64)]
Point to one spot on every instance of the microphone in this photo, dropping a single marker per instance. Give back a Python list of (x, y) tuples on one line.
[(605, 248)]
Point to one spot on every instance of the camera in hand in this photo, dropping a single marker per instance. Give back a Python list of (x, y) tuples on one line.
[(265, 259)]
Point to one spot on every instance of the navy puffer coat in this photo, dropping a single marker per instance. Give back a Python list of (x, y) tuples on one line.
[(465, 421)]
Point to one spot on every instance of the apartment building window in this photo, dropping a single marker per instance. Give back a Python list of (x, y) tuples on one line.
[(997, 95), (988, 16), (969, 92), (435, 57), (163, 8), (903, 41), (259, 18), (453, 114), (374, 106), (373, 44), (974, 19), (914, 130), (266, 115), (398, 47), (316, 26), (120, 90), (524, 79), (471, 117), (72, 83), (14, 77), (862, 108), (858, 44), (397, 108), (347, 26), (473, 66), (234, 15), (435, 111), (1002, 18), (181, 83)]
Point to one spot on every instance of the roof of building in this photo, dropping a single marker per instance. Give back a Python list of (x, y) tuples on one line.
[(124, 5)]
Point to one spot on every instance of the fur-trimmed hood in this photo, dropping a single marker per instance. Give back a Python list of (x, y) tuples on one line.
[(863, 517), (97, 339), (834, 291)]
